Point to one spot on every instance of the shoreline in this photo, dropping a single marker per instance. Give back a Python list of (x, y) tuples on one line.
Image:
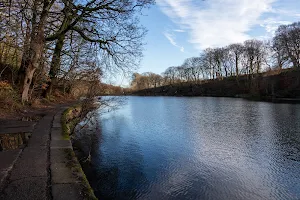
[(249, 98), (278, 88), (42, 165), (70, 118)]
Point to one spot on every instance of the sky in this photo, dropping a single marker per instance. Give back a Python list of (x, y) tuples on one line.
[(179, 29)]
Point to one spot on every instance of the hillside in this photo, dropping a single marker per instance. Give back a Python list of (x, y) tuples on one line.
[(261, 87)]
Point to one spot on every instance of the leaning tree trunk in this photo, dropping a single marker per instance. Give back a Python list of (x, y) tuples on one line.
[(27, 82), (22, 70), (36, 47), (32, 62), (55, 65)]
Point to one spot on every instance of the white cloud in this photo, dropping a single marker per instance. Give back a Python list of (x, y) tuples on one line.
[(171, 39), (272, 24), (213, 23), (179, 30)]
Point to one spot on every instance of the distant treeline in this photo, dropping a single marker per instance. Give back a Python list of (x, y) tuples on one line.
[(280, 86), (240, 61)]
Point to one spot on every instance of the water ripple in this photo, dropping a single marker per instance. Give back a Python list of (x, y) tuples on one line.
[(198, 148)]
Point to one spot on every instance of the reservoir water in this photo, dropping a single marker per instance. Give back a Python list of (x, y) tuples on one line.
[(196, 148)]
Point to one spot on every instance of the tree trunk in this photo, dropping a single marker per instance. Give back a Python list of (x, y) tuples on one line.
[(55, 65), (22, 70), (1, 51), (237, 70), (31, 63), (237, 67), (27, 82), (36, 47)]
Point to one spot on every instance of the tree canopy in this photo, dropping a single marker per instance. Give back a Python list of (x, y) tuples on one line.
[(44, 34)]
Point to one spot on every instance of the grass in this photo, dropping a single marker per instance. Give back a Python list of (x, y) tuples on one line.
[(64, 125), (68, 122), (9, 99), (74, 165), (12, 105)]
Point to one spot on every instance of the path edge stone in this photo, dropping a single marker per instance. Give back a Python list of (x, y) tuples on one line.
[(65, 169)]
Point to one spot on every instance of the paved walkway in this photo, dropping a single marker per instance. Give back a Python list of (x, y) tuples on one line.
[(39, 171)]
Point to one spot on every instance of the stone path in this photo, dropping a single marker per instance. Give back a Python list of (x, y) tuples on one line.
[(29, 174), (65, 183), (39, 171), (8, 159)]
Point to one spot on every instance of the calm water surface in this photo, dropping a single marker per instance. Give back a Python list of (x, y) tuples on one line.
[(197, 148)]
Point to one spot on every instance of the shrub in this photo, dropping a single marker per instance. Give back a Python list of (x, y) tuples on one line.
[(9, 98)]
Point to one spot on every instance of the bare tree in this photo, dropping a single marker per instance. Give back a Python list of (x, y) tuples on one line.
[(31, 58), (255, 55), (286, 43), (235, 54), (111, 25)]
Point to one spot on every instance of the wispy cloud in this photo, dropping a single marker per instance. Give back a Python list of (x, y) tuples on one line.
[(179, 30), (272, 24), (214, 23), (171, 39), (286, 8)]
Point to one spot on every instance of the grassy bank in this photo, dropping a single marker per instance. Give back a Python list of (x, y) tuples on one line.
[(283, 85), (13, 108), (70, 118)]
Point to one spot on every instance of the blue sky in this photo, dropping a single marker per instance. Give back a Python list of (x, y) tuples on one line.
[(179, 29)]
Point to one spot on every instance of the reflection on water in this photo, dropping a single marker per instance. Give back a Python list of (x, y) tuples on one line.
[(197, 148), (13, 141)]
